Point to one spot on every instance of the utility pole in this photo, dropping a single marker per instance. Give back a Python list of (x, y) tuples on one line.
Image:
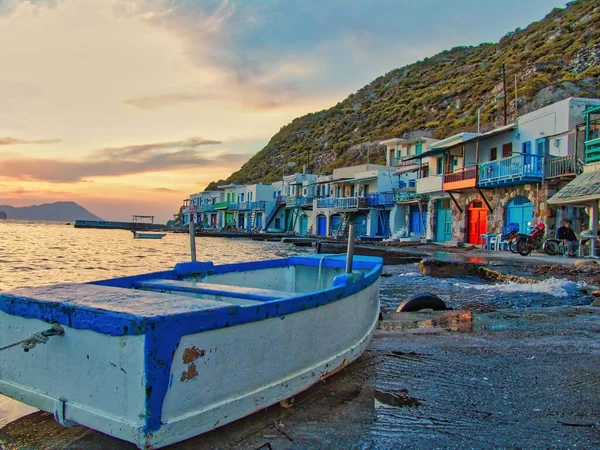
[(504, 88)]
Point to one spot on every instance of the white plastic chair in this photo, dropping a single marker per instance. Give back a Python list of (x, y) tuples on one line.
[(493, 242), (500, 243)]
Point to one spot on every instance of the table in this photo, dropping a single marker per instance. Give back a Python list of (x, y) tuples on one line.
[(485, 240)]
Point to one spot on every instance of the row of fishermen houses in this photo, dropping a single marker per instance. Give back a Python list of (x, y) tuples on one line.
[(450, 190)]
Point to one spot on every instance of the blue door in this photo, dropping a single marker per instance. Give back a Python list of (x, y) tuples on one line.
[(334, 224), (259, 220), (321, 225), (443, 223), (417, 220), (361, 224), (519, 210), (383, 223), (303, 225)]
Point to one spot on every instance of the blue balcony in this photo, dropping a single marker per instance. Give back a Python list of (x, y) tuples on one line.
[(592, 151), (326, 202), (380, 199), (207, 208), (513, 170), (406, 195), (300, 202)]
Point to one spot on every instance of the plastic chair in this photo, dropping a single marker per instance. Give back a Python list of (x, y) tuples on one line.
[(500, 244), (493, 240)]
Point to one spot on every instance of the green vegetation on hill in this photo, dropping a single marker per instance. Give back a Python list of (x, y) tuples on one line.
[(552, 59)]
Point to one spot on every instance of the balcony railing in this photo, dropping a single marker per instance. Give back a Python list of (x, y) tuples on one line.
[(206, 208), (328, 202), (280, 199), (406, 194), (233, 206), (461, 179), (249, 206), (380, 199), (561, 166), (399, 162), (222, 205), (512, 170), (592, 151), (343, 203)]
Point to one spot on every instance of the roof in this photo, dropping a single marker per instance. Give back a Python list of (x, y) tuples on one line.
[(584, 188)]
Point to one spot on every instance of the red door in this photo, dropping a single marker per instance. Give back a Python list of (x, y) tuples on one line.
[(477, 221)]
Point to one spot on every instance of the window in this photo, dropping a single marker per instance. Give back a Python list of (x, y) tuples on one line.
[(278, 222), (425, 172), (366, 190), (493, 154), (526, 147), (507, 150), (408, 150)]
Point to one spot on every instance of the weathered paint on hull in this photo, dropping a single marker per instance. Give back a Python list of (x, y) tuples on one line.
[(216, 377)]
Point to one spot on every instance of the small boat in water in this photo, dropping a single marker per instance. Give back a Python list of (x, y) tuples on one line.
[(140, 235), (157, 358)]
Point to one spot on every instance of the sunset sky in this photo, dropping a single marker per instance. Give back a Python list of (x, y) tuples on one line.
[(128, 106)]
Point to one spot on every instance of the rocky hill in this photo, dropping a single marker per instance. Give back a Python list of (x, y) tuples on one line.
[(552, 59), (58, 211)]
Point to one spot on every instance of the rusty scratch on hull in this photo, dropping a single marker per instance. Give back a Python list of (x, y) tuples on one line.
[(192, 353), (192, 372)]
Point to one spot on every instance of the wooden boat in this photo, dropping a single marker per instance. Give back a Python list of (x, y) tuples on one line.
[(139, 235), (158, 358)]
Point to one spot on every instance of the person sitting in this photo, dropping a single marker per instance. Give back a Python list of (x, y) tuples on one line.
[(568, 238)]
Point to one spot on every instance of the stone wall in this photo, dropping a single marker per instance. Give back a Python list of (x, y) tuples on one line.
[(498, 198)]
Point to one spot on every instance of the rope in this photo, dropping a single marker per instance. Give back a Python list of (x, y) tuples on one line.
[(39, 337)]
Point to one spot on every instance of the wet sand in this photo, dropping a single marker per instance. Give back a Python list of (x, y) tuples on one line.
[(510, 379)]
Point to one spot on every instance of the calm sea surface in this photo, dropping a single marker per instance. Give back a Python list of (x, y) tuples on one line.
[(39, 253)]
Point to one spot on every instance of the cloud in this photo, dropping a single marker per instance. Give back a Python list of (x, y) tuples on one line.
[(120, 161), (16, 141), (166, 100)]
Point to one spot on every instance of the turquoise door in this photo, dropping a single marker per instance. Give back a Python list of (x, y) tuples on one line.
[(519, 210), (303, 225), (334, 224), (443, 223), (361, 224), (321, 225)]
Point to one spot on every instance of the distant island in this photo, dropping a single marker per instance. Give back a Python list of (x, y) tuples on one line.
[(57, 212)]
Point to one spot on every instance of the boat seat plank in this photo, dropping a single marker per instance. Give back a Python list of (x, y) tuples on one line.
[(250, 293), (107, 299)]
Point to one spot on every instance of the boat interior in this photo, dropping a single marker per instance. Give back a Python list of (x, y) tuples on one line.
[(246, 283)]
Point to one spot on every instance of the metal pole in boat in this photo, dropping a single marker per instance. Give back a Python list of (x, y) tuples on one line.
[(350, 252), (192, 238)]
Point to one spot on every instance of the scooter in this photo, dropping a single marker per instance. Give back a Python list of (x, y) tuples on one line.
[(535, 241)]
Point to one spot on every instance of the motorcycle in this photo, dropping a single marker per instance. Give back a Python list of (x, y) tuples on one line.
[(510, 236), (535, 241)]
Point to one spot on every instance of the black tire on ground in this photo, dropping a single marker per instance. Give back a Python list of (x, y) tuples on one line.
[(523, 247), (552, 247), (422, 301)]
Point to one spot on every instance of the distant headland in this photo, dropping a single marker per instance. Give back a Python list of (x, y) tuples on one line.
[(58, 211)]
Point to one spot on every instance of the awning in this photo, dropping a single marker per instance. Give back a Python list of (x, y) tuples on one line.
[(584, 188), (427, 154), (406, 169)]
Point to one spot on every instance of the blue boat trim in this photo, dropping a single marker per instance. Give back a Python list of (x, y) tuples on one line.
[(165, 322)]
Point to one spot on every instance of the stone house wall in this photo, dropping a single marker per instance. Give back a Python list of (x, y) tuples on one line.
[(498, 199)]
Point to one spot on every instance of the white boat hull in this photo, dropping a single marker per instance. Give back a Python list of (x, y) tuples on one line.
[(216, 376)]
